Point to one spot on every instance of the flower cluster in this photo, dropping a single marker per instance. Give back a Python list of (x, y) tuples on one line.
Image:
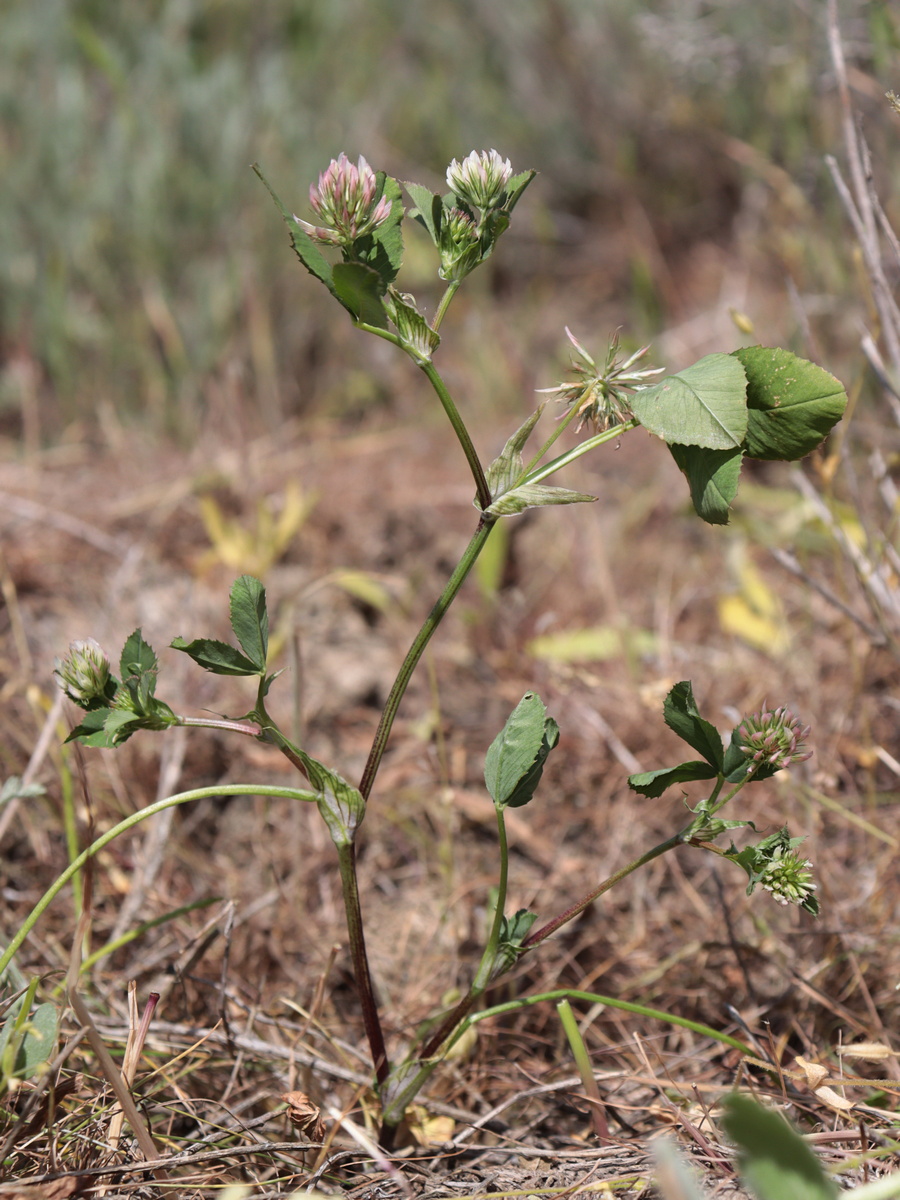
[(346, 201), (788, 877), (84, 672), (773, 737), (600, 394), (460, 245), (480, 179)]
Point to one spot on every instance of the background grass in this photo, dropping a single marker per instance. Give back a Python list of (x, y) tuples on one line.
[(141, 262)]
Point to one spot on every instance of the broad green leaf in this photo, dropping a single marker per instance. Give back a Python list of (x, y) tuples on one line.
[(36, 1037), (654, 783), (215, 656), (703, 405), (382, 249), (681, 714), (600, 644), (250, 620), (793, 404), (515, 759), (775, 1162), (535, 495), (92, 730), (428, 209), (359, 288), (306, 249), (712, 476)]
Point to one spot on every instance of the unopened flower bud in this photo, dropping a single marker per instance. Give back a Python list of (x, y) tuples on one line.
[(460, 245), (345, 200), (480, 179), (84, 672), (788, 877), (774, 738)]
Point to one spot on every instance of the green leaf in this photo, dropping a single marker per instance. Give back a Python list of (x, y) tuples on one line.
[(793, 404), (306, 249), (681, 714), (250, 620), (33, 1041), (712, 476), (137, 656), (92, 730), (703, 405), (218, 657), (428, 209), (515, 188), (138, 665), (775, 1162), (654, 783), (360, 289), (382, 249), (515, 759)]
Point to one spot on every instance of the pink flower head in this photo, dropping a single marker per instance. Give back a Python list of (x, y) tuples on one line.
[(345, 201)]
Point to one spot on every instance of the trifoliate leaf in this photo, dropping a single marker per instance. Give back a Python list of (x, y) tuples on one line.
[(250, 620), (515, 759), (712, 476), (218, 657), (681, 714), (792, 403), (654, 783), (703, 405)]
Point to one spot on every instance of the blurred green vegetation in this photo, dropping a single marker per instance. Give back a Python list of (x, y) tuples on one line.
[(143, 269)]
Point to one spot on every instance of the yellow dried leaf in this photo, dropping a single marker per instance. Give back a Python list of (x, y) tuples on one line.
[(814, 1072), (833, 1100)]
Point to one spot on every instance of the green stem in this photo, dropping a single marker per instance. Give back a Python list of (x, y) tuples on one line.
[(464, 1022), (362, 975), (563, 460), (489, 958), (625, 1005), (482, 491), (551, 927), (558, 430), (448, 295), (216, 723), (410, 662), (228, 789)]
